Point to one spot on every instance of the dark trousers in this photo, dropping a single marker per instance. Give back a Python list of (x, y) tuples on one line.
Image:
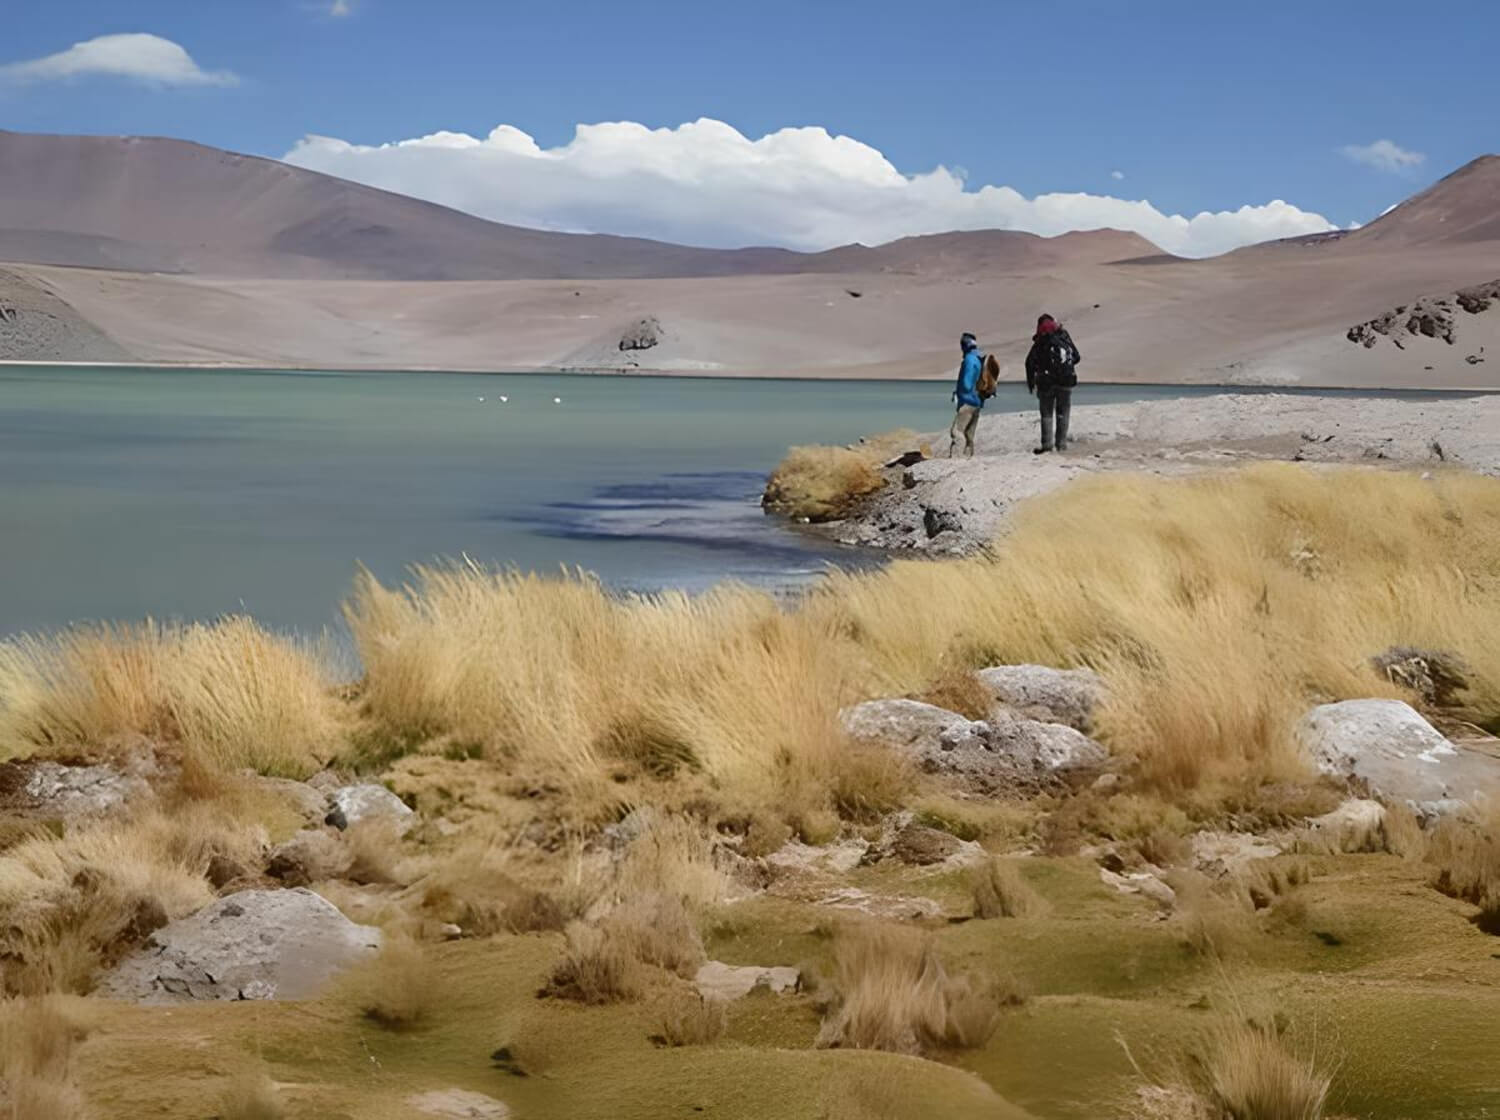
[(1054, 399)]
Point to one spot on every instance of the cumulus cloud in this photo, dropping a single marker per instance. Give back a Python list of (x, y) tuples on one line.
[(341, 8), (1384, 155), (139, 57), (703, 183), (1117, 176)]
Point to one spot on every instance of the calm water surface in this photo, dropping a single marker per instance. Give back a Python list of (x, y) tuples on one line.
[(193, 493)]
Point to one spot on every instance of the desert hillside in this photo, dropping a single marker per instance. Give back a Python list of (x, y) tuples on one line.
[(165, 252)]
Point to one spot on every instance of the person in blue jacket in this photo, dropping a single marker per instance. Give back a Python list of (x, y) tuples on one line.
[(966, 394)]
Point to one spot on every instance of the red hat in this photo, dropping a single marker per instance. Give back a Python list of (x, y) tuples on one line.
[(1046, 325)]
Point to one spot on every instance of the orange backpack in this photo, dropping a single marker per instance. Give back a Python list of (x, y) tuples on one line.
[(989, 378)]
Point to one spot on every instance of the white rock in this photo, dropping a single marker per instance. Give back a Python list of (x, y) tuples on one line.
[(1140, 882), (1067, 696), (370, 802), (1397, 755), (277, 944), (908, 723), (1351, 826), (716, 980), (458, 1104), (1228, 853)]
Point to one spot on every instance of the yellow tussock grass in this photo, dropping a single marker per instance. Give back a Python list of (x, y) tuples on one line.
[(819, 483), (251, 1096), (1000, 891), (892, 992), (614, 961), (230, 692), (1218, 608), (37, 1039)]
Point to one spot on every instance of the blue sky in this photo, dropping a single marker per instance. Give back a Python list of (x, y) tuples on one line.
[(1207, 105)]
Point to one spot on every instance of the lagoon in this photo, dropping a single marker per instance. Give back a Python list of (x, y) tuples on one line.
[(192, 493)]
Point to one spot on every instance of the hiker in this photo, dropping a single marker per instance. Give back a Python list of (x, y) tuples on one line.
[(1050, 374), (977, 376)]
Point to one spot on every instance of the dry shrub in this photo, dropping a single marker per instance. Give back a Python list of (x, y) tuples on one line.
[(1000, 891), (1252, 1076), (231, 692), (613, 961), (1401, 832), (83, 900), (692, 1019), (1465, 853), (891, 992), (251, 1097), (37, 1038), (395, 989)]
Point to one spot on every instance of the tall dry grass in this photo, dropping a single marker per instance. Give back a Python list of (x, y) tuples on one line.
[(232, 693), (1218, 608)]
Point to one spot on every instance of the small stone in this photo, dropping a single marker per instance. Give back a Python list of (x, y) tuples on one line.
[(458, 1104), (353, 804), (921, 846), (716, 980)]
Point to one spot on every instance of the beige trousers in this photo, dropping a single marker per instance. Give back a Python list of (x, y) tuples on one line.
[(965, 424)]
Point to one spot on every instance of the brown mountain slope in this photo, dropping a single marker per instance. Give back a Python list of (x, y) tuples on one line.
[(1462, 208), (155, 205)]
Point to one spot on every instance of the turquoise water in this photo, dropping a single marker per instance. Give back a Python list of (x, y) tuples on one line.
[(193, 493)]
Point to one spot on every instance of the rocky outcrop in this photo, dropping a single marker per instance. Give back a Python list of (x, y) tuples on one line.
[(1066, 696), (351, 805), (1386, 747), (1437, 677), (281, 944), (1429, 317), (1004, 753), (51, 791), (643, 334)]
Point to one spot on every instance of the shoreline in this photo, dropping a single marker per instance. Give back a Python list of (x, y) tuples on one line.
[(941, 506), (1228, 387)]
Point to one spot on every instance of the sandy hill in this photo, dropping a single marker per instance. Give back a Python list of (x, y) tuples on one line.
[(158, 205)]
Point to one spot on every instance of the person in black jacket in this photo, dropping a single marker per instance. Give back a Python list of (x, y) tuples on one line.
[(1051, 375)]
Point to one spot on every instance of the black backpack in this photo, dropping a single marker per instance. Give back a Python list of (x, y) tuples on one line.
[(1058, 359)]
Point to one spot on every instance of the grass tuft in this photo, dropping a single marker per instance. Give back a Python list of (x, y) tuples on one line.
[(1001, 891), (892, 992)]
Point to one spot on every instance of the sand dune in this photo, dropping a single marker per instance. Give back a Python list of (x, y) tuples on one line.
[(271, 265)]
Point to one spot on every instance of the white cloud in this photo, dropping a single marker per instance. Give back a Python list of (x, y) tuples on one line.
[(341, 8), (1383, 155), (1117, 176), (140, 57), (704, 183)]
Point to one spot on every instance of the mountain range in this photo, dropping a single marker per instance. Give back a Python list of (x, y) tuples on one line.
[(159, 250)]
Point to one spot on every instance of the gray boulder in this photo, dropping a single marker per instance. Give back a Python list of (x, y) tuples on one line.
[(1388, 748), (643, 334), (910, 724), (1067, 696), (350, 805), (281, 944), (984, 756), (309, 802)]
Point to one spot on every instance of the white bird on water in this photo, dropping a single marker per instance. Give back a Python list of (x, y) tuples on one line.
[(481, 400), (504, 400), (557, 400)]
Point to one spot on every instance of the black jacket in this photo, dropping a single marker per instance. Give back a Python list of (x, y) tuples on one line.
[(1037, 368)]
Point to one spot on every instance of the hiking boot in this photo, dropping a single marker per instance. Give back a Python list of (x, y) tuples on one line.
[(1040, 450)]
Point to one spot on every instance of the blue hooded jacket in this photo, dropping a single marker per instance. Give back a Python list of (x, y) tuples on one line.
[(967, 390)]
